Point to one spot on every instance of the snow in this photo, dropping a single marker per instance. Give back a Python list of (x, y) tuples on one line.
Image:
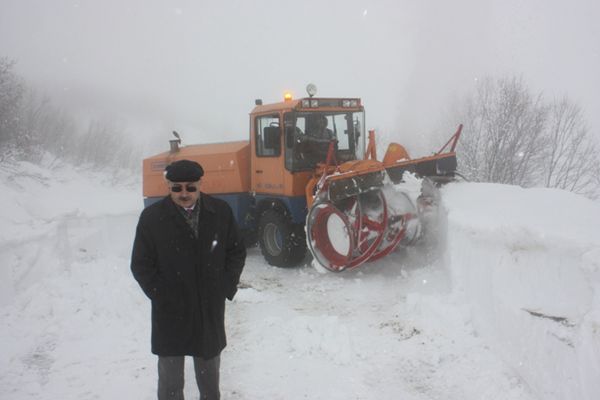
[(510, 310), (519, 257)]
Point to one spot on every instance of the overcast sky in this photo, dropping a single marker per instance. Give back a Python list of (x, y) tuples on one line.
[(197, 66)]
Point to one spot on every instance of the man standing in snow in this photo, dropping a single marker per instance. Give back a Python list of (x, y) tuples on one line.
[(187, 257)]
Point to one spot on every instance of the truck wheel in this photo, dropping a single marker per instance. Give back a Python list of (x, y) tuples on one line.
[(282, 243)]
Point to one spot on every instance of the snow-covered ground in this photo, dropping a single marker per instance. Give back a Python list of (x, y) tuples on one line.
[(510, 311)]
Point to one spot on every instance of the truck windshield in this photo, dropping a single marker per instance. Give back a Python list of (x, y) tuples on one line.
[(308, 134)]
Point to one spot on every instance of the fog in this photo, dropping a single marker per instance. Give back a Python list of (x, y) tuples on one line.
[(197, 66)]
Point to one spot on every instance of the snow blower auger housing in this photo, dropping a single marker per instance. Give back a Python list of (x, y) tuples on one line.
[(308, 179)]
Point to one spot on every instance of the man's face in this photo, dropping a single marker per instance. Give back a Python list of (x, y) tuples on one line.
[(184, 194)]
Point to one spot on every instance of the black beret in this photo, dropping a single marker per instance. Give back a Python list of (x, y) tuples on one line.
[(184, 171)]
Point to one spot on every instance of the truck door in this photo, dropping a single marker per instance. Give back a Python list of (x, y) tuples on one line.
[(267, 165)]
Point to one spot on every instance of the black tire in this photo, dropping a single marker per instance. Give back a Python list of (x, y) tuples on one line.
[(282, 243)]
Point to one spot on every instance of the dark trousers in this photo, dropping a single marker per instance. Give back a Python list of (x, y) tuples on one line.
[(170, 377)]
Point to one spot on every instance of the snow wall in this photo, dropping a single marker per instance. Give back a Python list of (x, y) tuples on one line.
[(527, 262)]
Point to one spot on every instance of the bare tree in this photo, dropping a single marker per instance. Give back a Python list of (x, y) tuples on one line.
[(31, 127), (596, 177), (512, 136), (52, 129), (503, 125), (571, 153), (104, 145), (11, 94)]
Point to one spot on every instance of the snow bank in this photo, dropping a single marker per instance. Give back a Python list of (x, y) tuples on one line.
[(528, 264), (69, 319), (43, 209)]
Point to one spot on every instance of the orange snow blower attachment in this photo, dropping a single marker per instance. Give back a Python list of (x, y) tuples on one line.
[(358, 216), (440, 167)]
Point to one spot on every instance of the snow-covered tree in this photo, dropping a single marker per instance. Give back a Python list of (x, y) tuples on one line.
[(31, 126), (503, 124), (513, 136), (11, 95), (572, 154)]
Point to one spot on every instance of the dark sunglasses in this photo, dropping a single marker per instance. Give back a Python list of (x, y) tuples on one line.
[(179, 188)]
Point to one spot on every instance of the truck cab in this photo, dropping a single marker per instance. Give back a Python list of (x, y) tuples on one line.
[(287, 141)]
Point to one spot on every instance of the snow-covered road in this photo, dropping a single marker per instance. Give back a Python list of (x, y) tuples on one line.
[(511, 310), (390, 331)]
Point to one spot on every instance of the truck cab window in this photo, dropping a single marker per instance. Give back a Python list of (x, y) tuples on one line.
[(268, 136), (308, 134)]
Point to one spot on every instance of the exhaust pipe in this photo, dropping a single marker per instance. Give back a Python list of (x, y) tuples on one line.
[(174, 143)]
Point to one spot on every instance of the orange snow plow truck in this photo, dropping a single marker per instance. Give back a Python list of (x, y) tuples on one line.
[(309, 179)]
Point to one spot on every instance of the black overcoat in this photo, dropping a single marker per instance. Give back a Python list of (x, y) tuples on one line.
[(188, 278)]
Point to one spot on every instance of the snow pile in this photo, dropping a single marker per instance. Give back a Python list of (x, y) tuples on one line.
[(41, 208), (68, 312), (528, 264), (510, 312)]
